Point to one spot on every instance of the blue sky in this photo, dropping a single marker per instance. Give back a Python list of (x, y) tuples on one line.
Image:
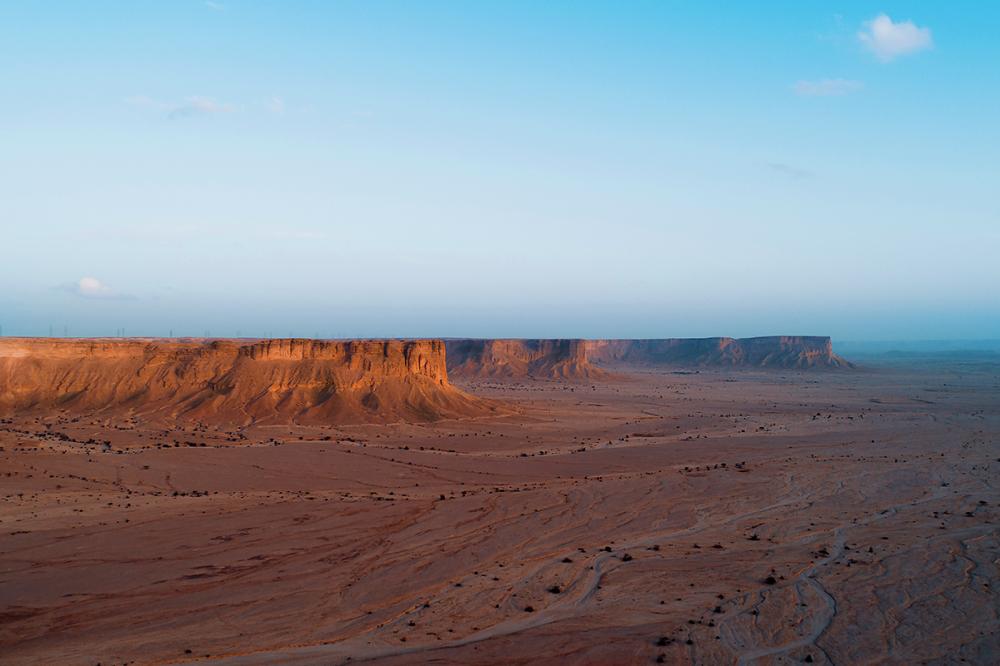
[(650, 169)]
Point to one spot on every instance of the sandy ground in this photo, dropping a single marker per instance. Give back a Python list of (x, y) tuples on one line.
[(717, 517)]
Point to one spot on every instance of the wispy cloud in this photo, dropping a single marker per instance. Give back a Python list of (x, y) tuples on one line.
[(192, 106), (888, 39), (199, 106), (275, 105), (180, 233), (144, 102), (91, 287), (827, 87), (789, 170), (291, 234), (215, 6)]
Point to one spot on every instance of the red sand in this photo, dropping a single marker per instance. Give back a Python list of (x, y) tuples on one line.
[(719, 517)]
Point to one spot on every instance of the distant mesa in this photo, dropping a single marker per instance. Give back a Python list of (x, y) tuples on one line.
[(785, 352), (593, 359), (540, 359), (277, 381)]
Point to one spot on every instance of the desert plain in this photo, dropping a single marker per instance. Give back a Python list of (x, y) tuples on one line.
[(640, 514)]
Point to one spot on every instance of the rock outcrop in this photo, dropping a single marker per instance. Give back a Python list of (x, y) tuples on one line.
[(234, 382)]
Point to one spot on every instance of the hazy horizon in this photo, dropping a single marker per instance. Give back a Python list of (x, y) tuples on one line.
[(523, 170)]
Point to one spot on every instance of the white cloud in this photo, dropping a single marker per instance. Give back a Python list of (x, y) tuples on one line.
[(215, 6), (91, 287), (827, 87), (887, 39)]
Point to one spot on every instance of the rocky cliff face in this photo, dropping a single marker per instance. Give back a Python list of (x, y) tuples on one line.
[(542, 359), (237, 382), (801, 352), (586, 359)]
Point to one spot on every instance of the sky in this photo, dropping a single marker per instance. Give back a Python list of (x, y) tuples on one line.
[(500, 169)]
